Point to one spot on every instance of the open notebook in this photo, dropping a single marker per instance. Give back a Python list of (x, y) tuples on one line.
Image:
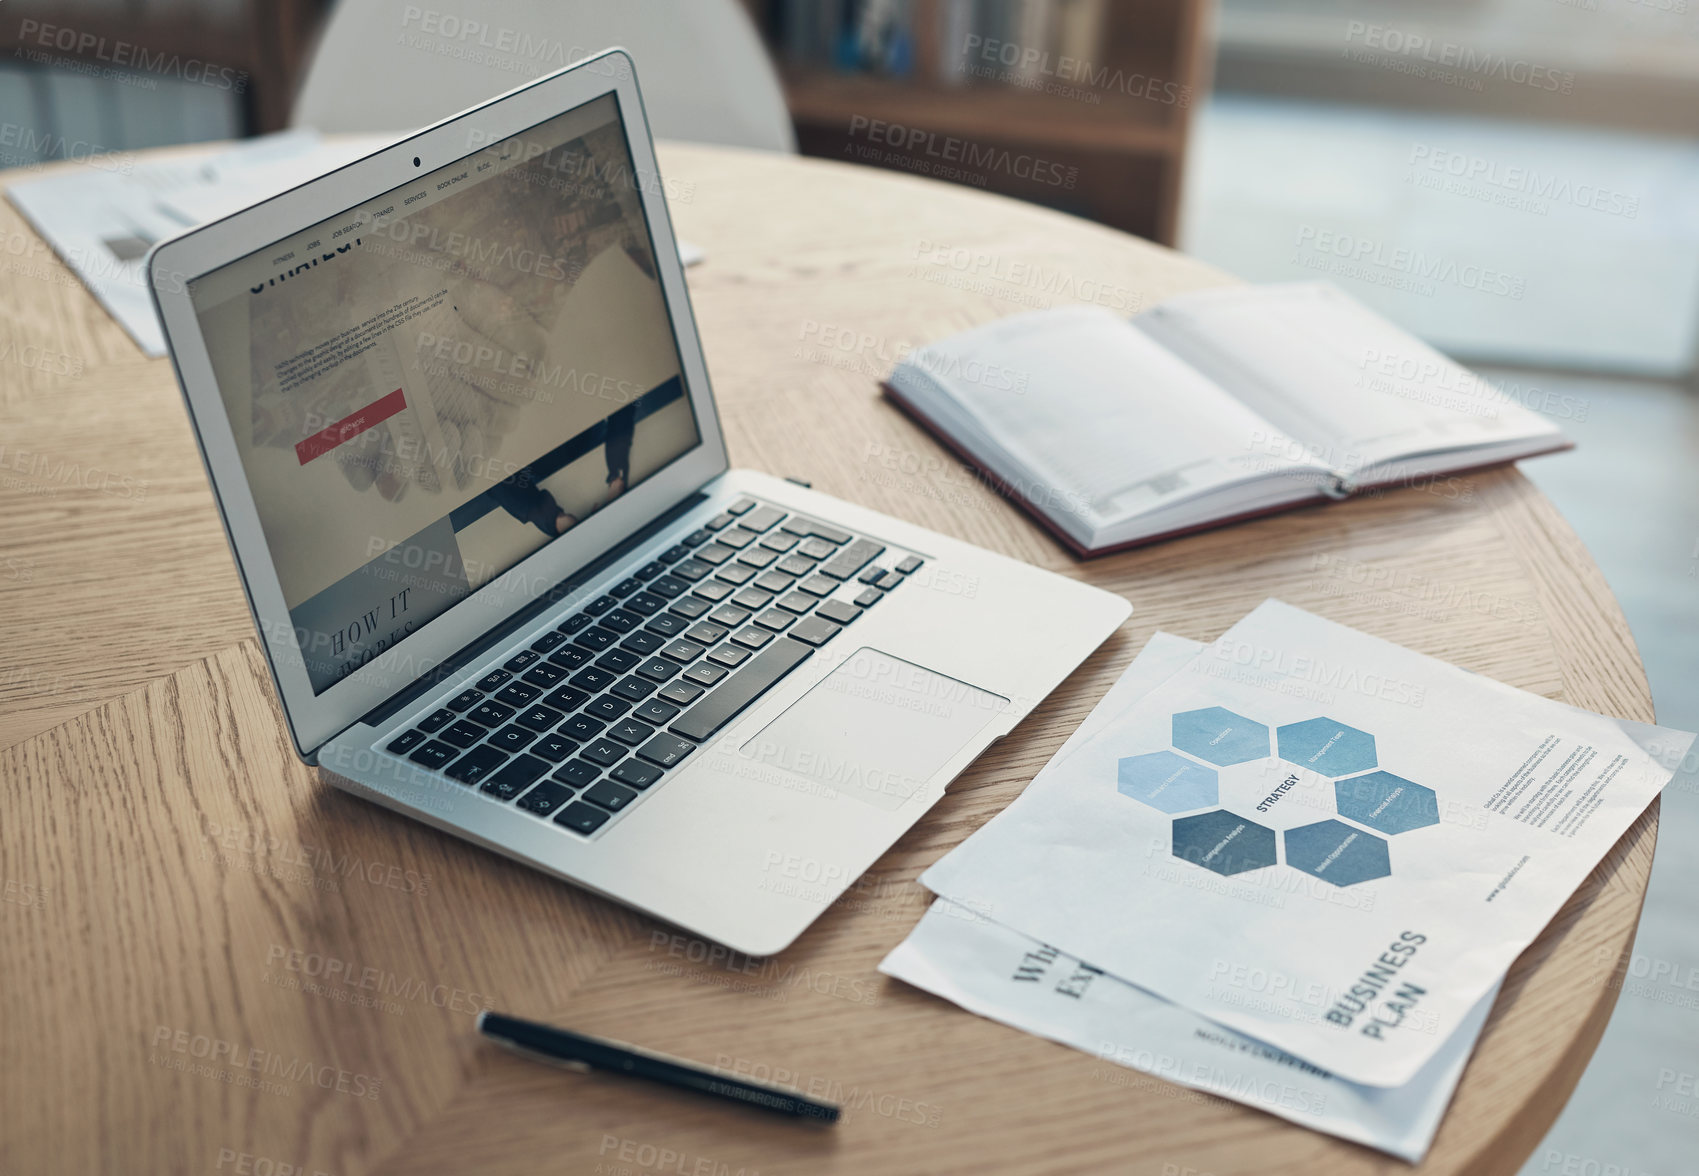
[(1211, 407)]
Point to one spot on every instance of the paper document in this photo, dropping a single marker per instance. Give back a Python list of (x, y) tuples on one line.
[(1008, 977), (1381, 830)]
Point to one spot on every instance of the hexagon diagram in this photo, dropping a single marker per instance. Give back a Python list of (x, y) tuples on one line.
[(1337, 853), (1386, 802), (1168, 782), (1327, 747), (1223, 842), (1218, 736)]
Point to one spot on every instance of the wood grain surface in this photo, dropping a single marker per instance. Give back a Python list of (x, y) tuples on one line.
[(177, 884)]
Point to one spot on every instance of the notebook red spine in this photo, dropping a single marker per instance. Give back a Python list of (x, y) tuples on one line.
[(1066, 540)]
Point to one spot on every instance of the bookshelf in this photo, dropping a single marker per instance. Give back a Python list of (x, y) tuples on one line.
[(1081, 105)]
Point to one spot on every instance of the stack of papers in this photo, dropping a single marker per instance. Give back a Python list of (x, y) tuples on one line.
[(1290, 868)]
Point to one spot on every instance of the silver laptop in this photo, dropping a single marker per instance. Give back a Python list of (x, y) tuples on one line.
[(456, 416)]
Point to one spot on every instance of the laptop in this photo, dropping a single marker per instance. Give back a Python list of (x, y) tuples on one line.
[(457, 419)]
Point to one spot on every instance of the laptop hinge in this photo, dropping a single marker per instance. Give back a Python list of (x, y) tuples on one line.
[(480, 645)]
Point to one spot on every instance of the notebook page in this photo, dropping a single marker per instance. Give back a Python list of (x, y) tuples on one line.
[(1081, 399), (1353, 388)]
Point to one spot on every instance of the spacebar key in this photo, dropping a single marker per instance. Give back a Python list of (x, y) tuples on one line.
[(730, 698)]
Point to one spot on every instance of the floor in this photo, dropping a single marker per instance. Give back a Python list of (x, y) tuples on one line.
[(1287, 191)]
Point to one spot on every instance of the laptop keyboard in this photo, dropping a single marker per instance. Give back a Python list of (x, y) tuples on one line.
[(593, 714)]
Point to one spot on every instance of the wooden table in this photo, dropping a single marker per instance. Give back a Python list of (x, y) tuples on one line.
[(177, 884)]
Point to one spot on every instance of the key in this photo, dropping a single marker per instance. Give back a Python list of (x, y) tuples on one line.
[(794, 565), (463, 734), (545, 674), (546, 643), (738, 538), (869, 597), (818, 586), (816, 549), (405, 742), (716, 554), (752, 637), (778, 541), (814, 631), (636, 773), (736, 574), (655, 711), (762, 519), (630, 731), (704, 673), (476, 764), (753, 598), (540, 718), (658, 669), (465, 699), (520, 660), (491, 714), (774, 581), (681, 692), (621, 621), (669, 587), (493, 680), (729, 615), (645, 604), (682, 651), (757, 557), (511, 738), (618, 660), (723, 705), (730, 656), (849, 561), (643, 643), (776, 619), (837, 610), (624, 588), (664, 750), (435, 719), (582, 728), (608, 708), (545, 798), (633, 689), (692, 570), (519, 774), (572, 624), (595, 640), (796, 602), (578, 773), (569, 657), (721, 521), (604, 752), (707, 633), (674, 553), (609, 795), (713, 591), (600, 605), (594, 678), (567, 698), (649, 570), (581, 818), (554, 747), (687, 609), (517, 693), (871, 576), (742, 506), (910, 564), (698, 537)]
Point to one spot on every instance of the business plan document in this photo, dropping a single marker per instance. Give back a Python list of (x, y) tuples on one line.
[(1384, 831)]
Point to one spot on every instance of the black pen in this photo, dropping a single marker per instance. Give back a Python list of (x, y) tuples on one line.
[(575, 1051)]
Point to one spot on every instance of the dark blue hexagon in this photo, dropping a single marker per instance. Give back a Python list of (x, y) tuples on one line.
[(1223, 842), (1327, 746), (1335, 852), (1386, 802), (1165, 781), (1219, 736)]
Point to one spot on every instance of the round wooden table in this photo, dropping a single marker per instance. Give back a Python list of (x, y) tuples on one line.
[(214, 962)]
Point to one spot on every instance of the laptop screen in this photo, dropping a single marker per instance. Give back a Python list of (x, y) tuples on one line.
[(429, 387)]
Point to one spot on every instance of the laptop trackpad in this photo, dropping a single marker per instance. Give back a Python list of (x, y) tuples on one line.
[(876, 728)]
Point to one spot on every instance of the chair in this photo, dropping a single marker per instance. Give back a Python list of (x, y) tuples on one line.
[(387, 66)]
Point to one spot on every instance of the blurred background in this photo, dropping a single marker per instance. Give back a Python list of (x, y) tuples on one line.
[(1517, 181)]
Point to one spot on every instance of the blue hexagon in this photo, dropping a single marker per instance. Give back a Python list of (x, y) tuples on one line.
[(1223, 842), (1219, 736), (1326, 746), (1386, 802), (1165, 781), (1337, 853)]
